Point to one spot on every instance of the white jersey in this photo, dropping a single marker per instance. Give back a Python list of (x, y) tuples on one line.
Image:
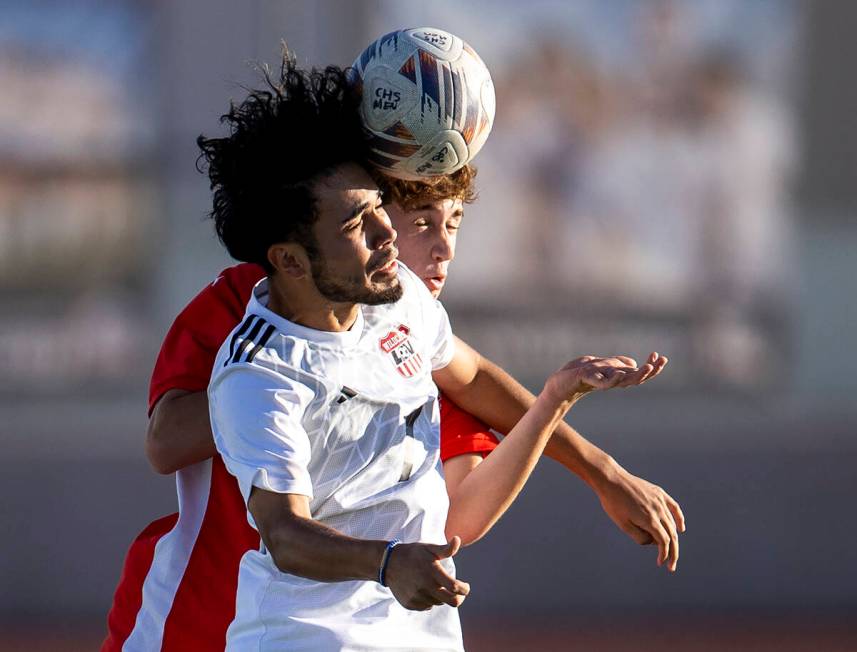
[(350, 420)]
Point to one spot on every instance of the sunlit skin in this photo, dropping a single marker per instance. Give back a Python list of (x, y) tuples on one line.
[(356, 259), (427, 237)]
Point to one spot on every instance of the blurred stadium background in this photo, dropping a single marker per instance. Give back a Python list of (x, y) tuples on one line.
[(671, 176)]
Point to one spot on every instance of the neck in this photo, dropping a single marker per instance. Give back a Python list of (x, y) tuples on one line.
[(298, 304)]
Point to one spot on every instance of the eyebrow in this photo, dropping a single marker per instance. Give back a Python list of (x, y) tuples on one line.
[(359, 208)]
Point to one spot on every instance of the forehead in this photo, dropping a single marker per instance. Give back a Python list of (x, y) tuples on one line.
[(438, 209), (346, 187)]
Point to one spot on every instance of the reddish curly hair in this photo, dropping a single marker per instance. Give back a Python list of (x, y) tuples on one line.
[(413, 194)]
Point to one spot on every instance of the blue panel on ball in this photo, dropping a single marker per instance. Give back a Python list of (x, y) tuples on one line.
[(428, 73), (409, 70), (447, 92), (458, 100)]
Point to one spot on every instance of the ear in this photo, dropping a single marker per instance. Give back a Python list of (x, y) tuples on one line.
[(289, 258)]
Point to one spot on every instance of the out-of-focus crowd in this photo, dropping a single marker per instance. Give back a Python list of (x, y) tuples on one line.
[(653, 185)]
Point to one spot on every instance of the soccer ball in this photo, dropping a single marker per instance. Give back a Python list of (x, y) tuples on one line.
[(427, 102)]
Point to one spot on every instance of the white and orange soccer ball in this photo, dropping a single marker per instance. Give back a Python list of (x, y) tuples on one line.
[(427, 102)]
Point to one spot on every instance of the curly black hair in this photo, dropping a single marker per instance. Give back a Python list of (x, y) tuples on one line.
[(282, 138)]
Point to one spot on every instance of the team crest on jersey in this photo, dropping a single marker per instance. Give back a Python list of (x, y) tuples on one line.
[(399, 346)]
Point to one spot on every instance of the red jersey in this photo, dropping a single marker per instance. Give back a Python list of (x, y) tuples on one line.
[(178, 584)]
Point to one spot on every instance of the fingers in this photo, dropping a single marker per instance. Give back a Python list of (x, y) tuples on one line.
[(637, 377), (654, 365), (619, 371), (453, 600), (447, 590), (662, 539), (454, 545), (672, 562), (659, 363), (601, 377), (447, 582), (426, 600), (675, 510), (665, 536), (449, 549), (423, 601)]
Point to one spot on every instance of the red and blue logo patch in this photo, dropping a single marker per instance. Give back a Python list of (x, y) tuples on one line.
[(399, 346)]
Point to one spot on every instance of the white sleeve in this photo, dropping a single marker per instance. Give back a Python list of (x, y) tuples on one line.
[(256, 418), (443, 347)]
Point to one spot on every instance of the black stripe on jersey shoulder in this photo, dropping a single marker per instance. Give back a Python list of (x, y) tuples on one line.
[(263, 340), (345, 393), (250, 339), (237, 334)]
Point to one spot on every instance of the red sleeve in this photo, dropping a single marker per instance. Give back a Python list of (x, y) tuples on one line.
[(461, 433), (189, 349)]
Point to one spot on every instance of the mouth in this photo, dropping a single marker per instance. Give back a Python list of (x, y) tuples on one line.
[(389, 265), (390, 268), (435, 283)]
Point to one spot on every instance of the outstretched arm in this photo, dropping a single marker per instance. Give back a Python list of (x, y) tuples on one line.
[(641, 509), (484, 494)]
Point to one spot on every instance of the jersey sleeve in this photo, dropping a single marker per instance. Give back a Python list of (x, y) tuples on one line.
[(190, 346), (257, 424), (461, 433), (443, 347)]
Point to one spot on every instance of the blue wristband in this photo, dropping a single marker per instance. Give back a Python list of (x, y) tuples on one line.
[(382, 572)]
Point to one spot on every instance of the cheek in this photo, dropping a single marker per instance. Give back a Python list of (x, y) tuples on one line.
[(412, 252), (347, 255)]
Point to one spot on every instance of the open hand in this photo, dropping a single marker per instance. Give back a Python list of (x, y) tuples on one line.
[(590, 373)]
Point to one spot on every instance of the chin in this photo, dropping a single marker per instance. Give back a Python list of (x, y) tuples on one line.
[(385, 294)]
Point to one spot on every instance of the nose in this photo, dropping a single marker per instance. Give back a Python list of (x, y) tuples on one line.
[(382, 234), (442, 250)]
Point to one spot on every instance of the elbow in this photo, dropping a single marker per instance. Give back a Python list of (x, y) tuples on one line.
[(468, 536), (283, 562), (283, 557), (468, 530), (158, 454)]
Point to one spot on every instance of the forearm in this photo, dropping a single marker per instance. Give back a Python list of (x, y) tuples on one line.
[(487, 491), (179, 432), (580, 456), (306, 548)]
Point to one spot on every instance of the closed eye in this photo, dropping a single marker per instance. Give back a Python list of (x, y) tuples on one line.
[(353, 224)]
